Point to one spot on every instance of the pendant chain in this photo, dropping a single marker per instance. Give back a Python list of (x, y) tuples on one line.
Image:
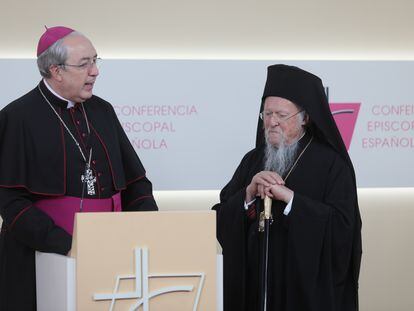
[(297, 159), (88, 180), (68, 130)]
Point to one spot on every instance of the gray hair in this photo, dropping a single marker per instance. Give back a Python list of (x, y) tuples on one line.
[(56, 54)]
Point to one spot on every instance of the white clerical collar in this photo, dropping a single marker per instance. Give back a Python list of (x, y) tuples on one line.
[(70, 103)]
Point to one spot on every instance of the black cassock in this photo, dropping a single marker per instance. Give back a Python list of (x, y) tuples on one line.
[(313, 258), (39, 159)]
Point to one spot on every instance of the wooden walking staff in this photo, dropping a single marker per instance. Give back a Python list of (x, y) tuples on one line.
[(266, 220)]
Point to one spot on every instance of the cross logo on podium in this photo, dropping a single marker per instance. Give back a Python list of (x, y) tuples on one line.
[(141, 292)]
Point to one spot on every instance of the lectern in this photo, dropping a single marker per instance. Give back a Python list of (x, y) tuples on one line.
[(145, 261)]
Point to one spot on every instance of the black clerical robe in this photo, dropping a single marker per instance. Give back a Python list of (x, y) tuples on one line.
[(38, 160), (312, 251)]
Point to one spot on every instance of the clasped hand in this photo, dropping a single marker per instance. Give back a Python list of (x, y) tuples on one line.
[(267, 183)]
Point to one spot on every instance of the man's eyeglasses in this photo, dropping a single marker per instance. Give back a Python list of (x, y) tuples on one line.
[(86, 64), (280, 117)]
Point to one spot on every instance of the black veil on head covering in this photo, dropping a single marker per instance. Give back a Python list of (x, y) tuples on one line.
[(305, 90)]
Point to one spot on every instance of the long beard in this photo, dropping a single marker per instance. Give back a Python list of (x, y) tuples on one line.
[(280, 159)]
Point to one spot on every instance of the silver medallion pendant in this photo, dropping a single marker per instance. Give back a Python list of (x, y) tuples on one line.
[(89, 179)]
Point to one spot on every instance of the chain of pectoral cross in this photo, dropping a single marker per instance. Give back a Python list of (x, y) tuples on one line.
[(87, 178)]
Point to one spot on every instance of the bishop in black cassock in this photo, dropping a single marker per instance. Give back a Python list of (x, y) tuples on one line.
[(315, 248), (41, 162)]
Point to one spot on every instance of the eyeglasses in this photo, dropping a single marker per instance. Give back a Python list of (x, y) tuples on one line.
[(280, 117), (86, 64)]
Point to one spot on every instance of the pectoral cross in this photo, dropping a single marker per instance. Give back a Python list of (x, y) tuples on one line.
[(89, 179)]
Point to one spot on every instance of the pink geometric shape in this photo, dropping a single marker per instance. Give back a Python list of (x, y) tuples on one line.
[(345, 115)]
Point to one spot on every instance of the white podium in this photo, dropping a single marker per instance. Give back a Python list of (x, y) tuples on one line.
[(135, 261)]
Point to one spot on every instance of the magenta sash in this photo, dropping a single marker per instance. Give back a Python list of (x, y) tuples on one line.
[(63, 209)]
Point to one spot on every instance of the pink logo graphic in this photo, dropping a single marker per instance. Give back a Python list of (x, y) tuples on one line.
[(345, 116)]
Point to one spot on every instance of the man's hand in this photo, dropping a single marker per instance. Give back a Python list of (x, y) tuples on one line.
[(260, 182), (279, 192)]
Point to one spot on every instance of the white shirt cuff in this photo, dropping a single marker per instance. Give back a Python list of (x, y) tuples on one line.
[(288, 206), (246, 205), (286, 211)]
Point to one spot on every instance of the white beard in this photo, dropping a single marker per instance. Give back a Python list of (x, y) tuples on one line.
[(280, 159)]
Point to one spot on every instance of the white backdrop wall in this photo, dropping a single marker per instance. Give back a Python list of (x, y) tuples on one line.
[(192, 121)]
